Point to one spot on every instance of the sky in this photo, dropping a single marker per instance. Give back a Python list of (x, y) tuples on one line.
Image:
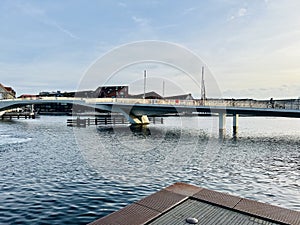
[(251, 48)]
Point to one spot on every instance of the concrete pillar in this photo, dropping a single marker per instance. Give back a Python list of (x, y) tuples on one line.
[(222, 125), (235, 124), (145, 120), (133, 119)]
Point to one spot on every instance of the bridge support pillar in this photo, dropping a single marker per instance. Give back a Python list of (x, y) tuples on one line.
[(133, 119), (235, 124), (222, 125), (142, 120)]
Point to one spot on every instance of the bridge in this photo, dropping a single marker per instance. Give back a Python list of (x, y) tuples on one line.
[(136, 111)]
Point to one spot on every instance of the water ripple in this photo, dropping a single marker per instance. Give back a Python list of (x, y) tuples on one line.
[(52, 175)]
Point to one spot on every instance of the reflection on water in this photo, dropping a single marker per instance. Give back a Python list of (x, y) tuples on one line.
[(54, 174), (140, 130)]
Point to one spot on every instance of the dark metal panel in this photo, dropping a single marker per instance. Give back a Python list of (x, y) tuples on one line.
[(269, 211), (217, 198), (133, 214), (162, 200)]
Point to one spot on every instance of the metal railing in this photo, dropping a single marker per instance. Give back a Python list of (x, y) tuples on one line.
[(293, 104)]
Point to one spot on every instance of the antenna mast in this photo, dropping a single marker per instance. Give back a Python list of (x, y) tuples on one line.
[(203, 93), (144, 96)]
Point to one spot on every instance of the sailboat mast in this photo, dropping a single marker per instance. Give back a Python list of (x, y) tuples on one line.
[(203, 93)]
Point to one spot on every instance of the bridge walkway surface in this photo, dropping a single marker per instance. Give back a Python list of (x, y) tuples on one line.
[(183, 204), (165, 106), (136, 111)]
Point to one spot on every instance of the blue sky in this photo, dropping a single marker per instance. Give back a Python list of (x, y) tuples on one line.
[(251, 47)]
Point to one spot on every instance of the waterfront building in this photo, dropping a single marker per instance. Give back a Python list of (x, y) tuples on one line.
[(181, 97), (7, 92), (28, 96), (56, 94), (101, 92), (112, 92), (148, 95), (67, 109)]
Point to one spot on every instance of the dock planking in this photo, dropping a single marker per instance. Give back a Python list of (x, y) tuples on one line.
[(78, 122), (10, 116), (109, 120)]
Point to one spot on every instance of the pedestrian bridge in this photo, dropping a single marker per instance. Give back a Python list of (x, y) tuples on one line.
[(137, 110)]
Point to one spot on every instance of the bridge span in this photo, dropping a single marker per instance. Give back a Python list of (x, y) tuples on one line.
[(137, 110)]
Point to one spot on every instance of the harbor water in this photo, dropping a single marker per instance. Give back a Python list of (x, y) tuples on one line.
[(54, 174)]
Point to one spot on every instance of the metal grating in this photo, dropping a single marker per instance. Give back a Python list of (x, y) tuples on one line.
[(162, 200), (133, 214), (218, 198), (207, 215), (269, 211)]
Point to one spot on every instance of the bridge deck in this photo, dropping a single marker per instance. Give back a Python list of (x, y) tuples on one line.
[(154, 107), (179, 202)]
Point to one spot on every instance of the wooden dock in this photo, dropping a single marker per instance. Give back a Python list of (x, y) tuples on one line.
[(79, 122), (16, 115), (105, 120), (184, 204)]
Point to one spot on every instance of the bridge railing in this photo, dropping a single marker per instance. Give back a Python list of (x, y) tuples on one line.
[(177, 102), (249, 103)]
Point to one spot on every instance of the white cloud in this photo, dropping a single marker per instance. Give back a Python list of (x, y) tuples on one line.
[(30, 10), (122, 4), (188, 10), (42, 76), (40, 15), (143, 22), (276, 92), (261, 50), (62, 29), (240, 13)]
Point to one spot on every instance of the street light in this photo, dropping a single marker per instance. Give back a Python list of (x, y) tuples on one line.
[(163, 92)]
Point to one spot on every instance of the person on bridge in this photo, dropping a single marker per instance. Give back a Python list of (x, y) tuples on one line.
[(272, 102)]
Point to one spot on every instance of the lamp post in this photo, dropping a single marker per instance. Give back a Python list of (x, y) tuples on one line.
[(163, 89)]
